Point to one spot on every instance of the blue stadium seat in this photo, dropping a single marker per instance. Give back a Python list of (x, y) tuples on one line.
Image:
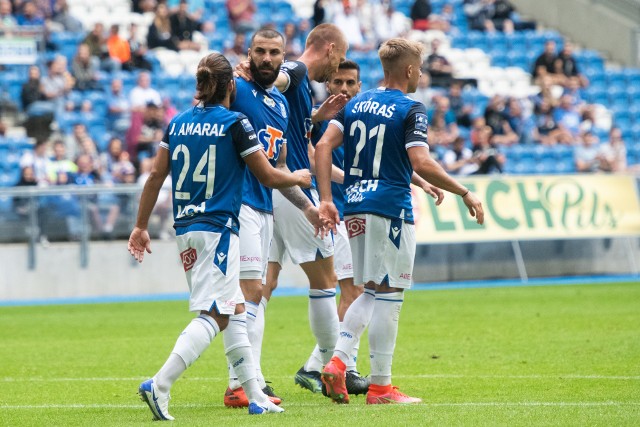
[(459, 41), (478, 40), (516, 42)]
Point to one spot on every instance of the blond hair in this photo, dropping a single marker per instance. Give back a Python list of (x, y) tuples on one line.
[(323, 34), (395, 52)]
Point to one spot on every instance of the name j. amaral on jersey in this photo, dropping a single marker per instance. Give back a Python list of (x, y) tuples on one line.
[(200, 129)]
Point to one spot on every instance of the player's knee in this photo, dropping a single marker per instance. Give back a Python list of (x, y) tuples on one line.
[(221, 319)]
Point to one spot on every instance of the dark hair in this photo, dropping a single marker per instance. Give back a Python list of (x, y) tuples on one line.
[(349, 65), (212, 78), (267, 33)]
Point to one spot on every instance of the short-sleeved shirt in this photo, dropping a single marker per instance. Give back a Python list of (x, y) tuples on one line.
[(268, 112), (298, 94), (206, 147), (379, 126), (337, 158)]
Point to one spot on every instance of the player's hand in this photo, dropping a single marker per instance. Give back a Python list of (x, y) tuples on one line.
[(304, 177), (434, 192), (243, 70), (475, 207), (313, 216), (139, 241), (329, 215), (330, 107)]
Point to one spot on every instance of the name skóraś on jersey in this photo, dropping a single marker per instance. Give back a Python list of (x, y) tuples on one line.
[(200, 129), (355, 192), (373, 107)]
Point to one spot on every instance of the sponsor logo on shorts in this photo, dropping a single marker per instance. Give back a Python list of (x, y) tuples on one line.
[(355, 226), (406, 276), (231, 304), (188, 258), (395, 231), (244, 258)]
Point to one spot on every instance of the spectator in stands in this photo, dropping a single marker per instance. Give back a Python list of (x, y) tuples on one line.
[(143, 94), (389, 23), (195, 8), (7, 20), (159, 34), (479, 13), (486, 153), (443, 128), (438, 66), (501, 17), (495, 116), (566, 116), (461, 110), (424, 93), (350, 24), (520, 122), (31, 92), (545, 69), (293, 47), (569, 66), (319, 13), (64, 19), (242, 15), (237, 52), (118, 109), (58, 82), (97, 43), (138, 50), (84, 70), (459, 159), (21, 205), (111, 156), (163, 209), (547, 131), (587, 153), (183, 28), (613, 154), (30, 15), (118, 48), (38, 160), (151, 131), (444, 18), (60, 162), (73, 141), (144, 6), (423, 19)]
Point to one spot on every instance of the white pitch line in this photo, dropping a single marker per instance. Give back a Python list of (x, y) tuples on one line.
[(426, 376), (440, 404)]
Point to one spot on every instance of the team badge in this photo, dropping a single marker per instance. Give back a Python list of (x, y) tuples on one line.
[(188, 258), (246, 124), (270, 102), (355, 226), (283, 110)]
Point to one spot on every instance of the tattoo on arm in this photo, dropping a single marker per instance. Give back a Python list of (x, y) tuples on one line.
[(296, 197)]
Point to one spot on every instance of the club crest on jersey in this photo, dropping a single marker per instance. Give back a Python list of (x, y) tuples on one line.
[(355, 226), (269, 101), (271, 139), (283, 110), (188, 258)]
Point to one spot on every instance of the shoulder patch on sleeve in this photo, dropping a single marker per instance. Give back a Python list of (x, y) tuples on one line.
[(421, 122), (246, 124), (290, 65)]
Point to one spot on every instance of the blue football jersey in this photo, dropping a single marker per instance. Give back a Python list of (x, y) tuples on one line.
[(268, 112), (379, 126), (337, 157), (206, 146), (298, 94)]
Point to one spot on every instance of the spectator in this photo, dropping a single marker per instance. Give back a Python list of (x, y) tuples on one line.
[(486, 153), (365, 11), (293, 47), (520, 122), (242, 15), (64, 19), (118, 109), (569, 66), (567, 117), (424, 93), (138, 50), (444, 19), (479, 13), (7, 20), (459, 160), (587, 153), (30, 92), (444, 129), (21, 205), (30, 15), (438, 66), (613, 154), (195, 8), (183, 28), (38, 160), (420, 11), (151, 131), (84, 70), (109, 158), (350, 25), (73, 141), (461, 110), (143, 94), (545, 69), (118, 48), (547, 131), (98, 47), (502, 16), (390, 23), (237, 52), (58, 82), (159, 34), (496, 118), (319, 13), (163, 210), (60, 163)]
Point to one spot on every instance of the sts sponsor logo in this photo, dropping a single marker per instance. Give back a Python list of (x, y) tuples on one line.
[(271, 139)]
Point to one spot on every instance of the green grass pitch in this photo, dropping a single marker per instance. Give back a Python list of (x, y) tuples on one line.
[(518, 356)]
